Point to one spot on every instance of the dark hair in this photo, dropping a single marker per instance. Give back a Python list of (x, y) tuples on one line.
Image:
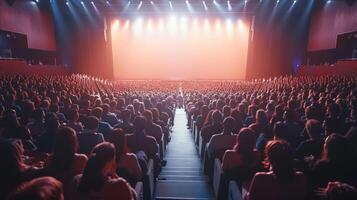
[(44, 188), (65, 147), (148, 115), (280, 131), (245, 144), (98, 112), (119, 140), (280, 156), (337, 149), (229, 124), (313, 128), (92, 178), (72, 114), (91, 123), (139, 123), (217, 116)]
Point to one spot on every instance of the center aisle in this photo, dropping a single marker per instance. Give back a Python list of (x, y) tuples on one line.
[(182, 177)]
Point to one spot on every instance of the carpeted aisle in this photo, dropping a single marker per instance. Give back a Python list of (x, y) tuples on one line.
[(182, 177)]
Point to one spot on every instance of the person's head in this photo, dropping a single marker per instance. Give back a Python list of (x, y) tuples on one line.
[(139, 124), (290, 115), (226, 111), (280, 131), (261, 117), (51, 123), (217, 117), (106, 108), (119, 141), (148, 115), (337, 149), (91, 123), (54, 108), (313, 128), (245, 142), (125, 115), (38, 114), (228, 125), (98, 112), (333, 110), (44, 188), (155, 114), (280, 157), (65, 147), (100, 165), (73, 115)]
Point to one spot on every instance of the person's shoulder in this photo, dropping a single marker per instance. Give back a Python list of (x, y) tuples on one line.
[(118, 183), (81, 157)]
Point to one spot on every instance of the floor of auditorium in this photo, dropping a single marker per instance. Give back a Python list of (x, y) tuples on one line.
[(182, 177)]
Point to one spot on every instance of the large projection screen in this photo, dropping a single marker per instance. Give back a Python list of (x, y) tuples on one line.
[(179, 48)]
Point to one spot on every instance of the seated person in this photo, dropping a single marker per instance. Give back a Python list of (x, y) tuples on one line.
[(64, 163), (338, 163), (44, 188), (126, 125), (211, 129), (312, 146), (223, 141), (99, 179), (73, 117), (127, 163), (152, 129), (139, 141), (108, 116), (13, 170), (243, 160), (89, 137), (282, 182), (103, 127)]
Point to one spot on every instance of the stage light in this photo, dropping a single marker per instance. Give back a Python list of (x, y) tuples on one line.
[(206, 25), (218, 25), (277, 1), (151, 2), (108, 2), (229, 5), (204, 5), (245, 2), (161, 25), (115, 24), (82, 3), (139, 6), (172, 24), (127, 24), (171, 5), (37, 1), (329, 1), (137, 26), (92, 2), (229, 26), (214, 1), (67, 3), (183, 24), (294, 2)]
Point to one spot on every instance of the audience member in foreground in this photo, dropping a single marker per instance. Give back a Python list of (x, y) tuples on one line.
[(44, 188), (99, 179), (127, 163), (65, 163), (282, 182)]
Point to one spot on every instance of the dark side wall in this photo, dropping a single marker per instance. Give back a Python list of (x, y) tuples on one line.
[(280, 38), (82, 40), (28, 18), (330, 20)]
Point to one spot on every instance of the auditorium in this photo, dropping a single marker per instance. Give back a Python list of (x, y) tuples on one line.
[(178, 99)]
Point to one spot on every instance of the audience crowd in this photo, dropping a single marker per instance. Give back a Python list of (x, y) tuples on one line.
[(78, 137)]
